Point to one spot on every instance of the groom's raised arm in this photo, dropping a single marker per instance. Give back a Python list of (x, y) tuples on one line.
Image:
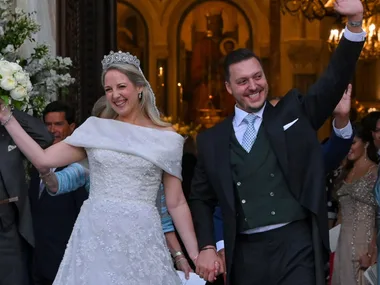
[(325, 94)]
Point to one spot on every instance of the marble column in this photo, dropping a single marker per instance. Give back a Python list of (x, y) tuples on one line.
[(46, 17)]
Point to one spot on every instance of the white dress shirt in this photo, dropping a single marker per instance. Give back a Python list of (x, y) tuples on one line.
[(240, 126)]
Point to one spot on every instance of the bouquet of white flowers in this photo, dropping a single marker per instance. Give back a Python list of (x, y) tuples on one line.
[(49, 75), (15, 85)]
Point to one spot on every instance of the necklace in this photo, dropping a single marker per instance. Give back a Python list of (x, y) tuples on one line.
[(359, 165)]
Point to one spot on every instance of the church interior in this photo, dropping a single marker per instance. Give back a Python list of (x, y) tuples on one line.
[(182, 44)]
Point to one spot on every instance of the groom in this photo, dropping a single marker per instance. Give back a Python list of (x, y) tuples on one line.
[(16, 234), (264, 167)]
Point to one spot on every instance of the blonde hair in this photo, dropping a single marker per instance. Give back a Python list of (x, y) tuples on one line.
[(147, 101), (102, 109)]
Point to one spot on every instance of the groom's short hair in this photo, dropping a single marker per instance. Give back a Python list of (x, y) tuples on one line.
[(237, 56)]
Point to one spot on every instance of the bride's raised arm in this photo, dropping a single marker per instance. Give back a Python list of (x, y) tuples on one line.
[(60, 154)]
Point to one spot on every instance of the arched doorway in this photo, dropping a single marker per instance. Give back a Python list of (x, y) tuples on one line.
[(132, 33), (207, 31)]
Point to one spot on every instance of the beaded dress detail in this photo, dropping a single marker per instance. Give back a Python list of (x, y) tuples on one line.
[(118, 238), (358, 212)]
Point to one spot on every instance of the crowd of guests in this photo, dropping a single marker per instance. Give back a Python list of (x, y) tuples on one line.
[(352, 204), (56, 196), (256, 196)]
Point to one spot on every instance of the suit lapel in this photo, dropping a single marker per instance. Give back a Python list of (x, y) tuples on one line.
[(276, 135), (223, 163)]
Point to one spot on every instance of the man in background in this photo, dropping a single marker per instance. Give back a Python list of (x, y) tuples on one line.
[(53, 217), (16, 231)]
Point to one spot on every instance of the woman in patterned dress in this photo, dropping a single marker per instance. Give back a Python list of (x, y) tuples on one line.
[(356, 249)]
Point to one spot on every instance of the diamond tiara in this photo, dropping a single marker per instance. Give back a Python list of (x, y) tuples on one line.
[(120, 57)]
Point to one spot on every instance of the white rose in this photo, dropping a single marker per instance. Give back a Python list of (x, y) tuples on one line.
[(67, 61), (1, 31), (5, 14), (29, 86), (5, 68), (4, 4), (8, 83), (18, 11), (9, 49), (15, 67), (21, 77), (19, 93)]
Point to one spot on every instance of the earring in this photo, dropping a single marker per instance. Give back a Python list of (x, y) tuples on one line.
[(140, 95)]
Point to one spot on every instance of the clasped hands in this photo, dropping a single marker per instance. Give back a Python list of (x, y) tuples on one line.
[(209, 263)]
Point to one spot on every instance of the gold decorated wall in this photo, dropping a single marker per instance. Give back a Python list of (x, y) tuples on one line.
[(173, 38)]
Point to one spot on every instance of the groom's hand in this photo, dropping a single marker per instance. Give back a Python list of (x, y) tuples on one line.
[(353, 9), (209, 264), (342, 110)]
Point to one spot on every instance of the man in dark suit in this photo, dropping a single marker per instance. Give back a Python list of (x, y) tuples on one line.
[(333, 151), (16, 232), (264, 167), (53, 216)]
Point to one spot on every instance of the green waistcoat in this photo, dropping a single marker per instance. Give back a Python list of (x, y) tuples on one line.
[(262, 194)]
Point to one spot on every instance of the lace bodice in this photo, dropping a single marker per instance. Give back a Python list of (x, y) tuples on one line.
[(122, 176), (127, 161)]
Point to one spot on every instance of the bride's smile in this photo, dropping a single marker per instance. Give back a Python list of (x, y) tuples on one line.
[(121, 93)]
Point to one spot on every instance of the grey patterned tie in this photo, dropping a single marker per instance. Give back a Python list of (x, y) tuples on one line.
[(250, 133)]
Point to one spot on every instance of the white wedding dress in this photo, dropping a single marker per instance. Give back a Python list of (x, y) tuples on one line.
[(118, 237)]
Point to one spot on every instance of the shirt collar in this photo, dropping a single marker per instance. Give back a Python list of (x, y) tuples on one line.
[(241, 114)]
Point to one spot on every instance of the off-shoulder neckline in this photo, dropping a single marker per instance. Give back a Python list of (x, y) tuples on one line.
[(138, 126)]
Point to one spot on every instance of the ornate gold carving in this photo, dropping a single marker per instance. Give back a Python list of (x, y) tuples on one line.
[(304, 55)]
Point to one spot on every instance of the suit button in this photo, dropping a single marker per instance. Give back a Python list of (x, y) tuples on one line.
[(273, 213), (245, 219), (271, 175), (271, 194), (238, 184), (243, 201)]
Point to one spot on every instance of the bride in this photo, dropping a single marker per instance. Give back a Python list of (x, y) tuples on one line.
[(118, 238)]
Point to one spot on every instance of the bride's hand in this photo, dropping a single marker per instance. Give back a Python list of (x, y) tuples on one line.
[(4, 111)]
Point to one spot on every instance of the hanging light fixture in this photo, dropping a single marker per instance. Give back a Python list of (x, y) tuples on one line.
[(371, 48), (318, 9)]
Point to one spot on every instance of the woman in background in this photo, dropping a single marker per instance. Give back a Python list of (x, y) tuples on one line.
[(356, 249)]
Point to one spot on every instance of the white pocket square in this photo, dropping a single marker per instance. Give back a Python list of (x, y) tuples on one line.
[(11, 147), (287, 126)]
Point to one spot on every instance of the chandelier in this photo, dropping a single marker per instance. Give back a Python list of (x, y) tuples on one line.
[(371, 48), (317, 9)]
